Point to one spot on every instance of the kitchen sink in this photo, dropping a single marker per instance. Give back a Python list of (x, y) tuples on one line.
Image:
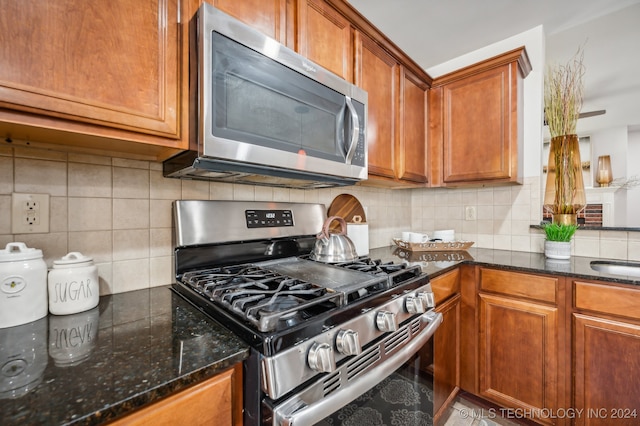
[(628, 269)]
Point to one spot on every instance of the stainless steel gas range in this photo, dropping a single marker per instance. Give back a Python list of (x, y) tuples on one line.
[(321, 335)]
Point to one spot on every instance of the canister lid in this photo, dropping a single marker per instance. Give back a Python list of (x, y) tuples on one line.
[(19, 251), (73, 259)]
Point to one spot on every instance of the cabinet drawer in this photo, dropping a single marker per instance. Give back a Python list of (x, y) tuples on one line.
[(624, 302), (535, 287), (445, 286)]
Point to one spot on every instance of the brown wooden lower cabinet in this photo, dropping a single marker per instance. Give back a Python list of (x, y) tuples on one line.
[(446, 343), (607, 371), (521, 343), (518, 362), (216, 401), (446, 358), (551, 349), (606, 341)]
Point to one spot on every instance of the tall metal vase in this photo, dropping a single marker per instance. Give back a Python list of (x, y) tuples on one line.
[(564, 195)]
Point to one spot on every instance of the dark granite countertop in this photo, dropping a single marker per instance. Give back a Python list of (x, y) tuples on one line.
[(140, 346), (91, 367), (435, 263)]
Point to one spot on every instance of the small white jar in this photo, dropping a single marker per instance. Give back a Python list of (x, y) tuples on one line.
[(73, 285)]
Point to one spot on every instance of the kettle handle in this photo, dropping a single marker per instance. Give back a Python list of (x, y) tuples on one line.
[(325, 227)]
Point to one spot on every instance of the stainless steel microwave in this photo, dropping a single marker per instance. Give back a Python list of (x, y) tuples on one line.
[(268, 116)]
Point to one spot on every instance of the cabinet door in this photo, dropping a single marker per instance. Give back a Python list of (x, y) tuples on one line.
[(412, 140), (268, 16), (478, 139), (325, 37), (212, 402), (607, 371), (446, 363), (377, 72), (518, 365), (113, 63)]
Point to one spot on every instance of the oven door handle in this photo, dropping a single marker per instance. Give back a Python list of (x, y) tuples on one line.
[(312, 414)]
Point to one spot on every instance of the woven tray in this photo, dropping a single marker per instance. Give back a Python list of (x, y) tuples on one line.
[(434, 245), (432, 256)]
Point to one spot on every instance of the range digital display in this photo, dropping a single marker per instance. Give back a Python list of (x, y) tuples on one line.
[(268, 218)]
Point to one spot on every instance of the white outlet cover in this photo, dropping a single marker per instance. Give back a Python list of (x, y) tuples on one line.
[(29, 213), (470, 213)]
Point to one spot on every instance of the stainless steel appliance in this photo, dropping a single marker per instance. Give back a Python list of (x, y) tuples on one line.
[(268, 116), (321, 335)]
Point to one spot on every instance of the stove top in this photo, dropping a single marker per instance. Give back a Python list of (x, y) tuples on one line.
[(277, 294), (250, 269)]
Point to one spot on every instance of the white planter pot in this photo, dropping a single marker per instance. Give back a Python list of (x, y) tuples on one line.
[(557, 249)]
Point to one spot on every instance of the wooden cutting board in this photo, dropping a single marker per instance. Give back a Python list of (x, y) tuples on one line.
[(346, 206)]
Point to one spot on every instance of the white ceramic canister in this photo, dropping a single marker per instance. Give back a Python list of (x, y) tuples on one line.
[(73, 285), (23, 285)]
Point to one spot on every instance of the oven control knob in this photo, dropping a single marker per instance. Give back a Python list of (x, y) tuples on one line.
[(348, 343), (320, 358), (428, 300), (386, 321), (414, 305)]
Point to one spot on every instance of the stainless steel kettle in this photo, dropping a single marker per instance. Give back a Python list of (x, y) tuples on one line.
[(334, 248)]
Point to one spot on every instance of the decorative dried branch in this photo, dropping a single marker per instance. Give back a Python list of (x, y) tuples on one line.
[(563, 93), (626, 183)]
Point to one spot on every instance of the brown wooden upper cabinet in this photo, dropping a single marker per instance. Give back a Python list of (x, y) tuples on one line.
[(396, 126), (377, 73), (325, 37), (412, 139), (267, 16), (96, 76), (476, 130), (114, 78)]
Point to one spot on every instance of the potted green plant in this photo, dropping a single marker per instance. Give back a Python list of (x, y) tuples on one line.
[(558, 242), (563, 94)]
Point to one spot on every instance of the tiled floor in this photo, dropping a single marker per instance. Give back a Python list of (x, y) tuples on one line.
[(465, 412)]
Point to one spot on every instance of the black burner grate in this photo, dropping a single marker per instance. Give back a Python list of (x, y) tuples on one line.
[(265, 298)]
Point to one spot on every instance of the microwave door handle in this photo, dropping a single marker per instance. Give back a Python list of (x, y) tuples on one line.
[(355, 130)]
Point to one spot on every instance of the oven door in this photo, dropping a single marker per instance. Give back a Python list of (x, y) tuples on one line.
[(384, 381)]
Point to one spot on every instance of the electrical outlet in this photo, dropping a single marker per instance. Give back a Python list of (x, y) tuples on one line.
[(29, 213), (470, 213)]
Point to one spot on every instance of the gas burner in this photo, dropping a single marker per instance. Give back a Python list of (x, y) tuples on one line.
[(265, 298), (396, 273), (366, 264)]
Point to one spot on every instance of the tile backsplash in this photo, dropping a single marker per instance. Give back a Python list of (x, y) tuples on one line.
[(119, 212)]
